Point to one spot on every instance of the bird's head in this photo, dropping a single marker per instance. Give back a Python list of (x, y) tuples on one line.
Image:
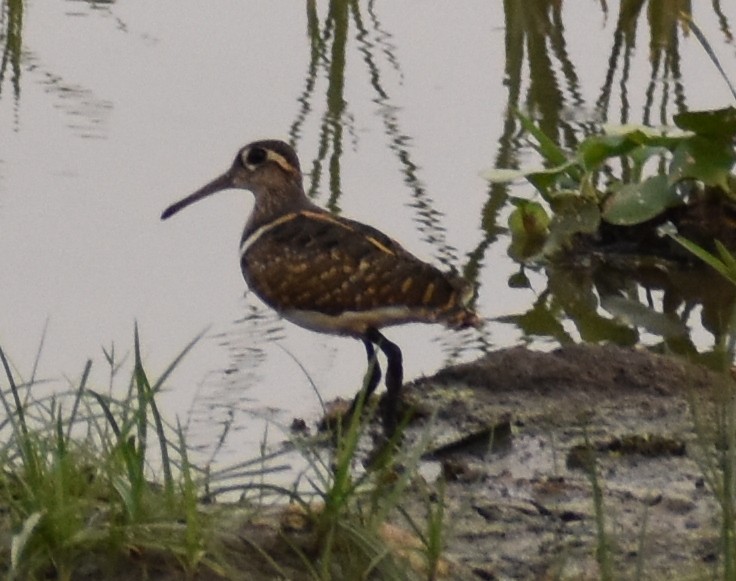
[(263, 167)]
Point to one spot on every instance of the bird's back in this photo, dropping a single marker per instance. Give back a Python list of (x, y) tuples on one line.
[(335, 275)]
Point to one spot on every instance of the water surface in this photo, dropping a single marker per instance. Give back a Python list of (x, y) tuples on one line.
[(111, 111)]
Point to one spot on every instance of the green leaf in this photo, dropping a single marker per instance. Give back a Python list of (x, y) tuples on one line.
[(21, 538), (528, 220), (503, 175), (528, 225), (638, 143), (642, 153), (637, 203), (594, 150), (725, 268), (727, 258), (663, 136), (552, 152), (715, 123), (544, 180), (635, 314), (644, 133), (708, 159)]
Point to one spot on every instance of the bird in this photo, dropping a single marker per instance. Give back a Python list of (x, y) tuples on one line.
[(331, 274)]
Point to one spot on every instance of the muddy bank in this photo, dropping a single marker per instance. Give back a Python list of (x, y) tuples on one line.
[(515, 433)]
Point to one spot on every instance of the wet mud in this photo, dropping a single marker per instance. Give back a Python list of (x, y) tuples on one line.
[(531, 443)]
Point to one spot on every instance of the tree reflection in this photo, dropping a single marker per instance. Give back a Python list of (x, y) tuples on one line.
[(625, 303), (601, 302), (11, 29), (329, 41), (86, 113)]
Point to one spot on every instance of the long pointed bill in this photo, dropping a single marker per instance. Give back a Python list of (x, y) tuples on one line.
[(223, 182)]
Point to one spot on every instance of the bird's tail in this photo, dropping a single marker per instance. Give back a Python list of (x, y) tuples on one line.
[(462, 315)]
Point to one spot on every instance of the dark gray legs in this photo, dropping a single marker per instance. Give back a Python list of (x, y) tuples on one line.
[(394, 376)]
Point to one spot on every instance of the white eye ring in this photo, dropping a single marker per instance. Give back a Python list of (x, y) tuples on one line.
[(253, 157)]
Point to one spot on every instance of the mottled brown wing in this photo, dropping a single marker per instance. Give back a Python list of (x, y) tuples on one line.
[(319, 262)]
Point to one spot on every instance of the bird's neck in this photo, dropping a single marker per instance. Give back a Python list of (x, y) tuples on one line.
[(272, 203)]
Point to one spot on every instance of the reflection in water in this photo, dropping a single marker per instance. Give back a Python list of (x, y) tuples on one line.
[(94, 4), (725, 27), (603, 302), (329, 42), (654, 304), (427, 217), (600, 303), (11, 39), (544, 75), (534, 39), (222, 399), (665, 25), (87, 114)]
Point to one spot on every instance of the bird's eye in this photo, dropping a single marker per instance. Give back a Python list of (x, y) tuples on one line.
[(255, 156)]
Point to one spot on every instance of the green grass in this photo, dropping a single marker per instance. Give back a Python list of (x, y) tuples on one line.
[(604, 542), (715, 453), (715, 420), (77, 486), (94, 484), (714, 450), (352, 505)]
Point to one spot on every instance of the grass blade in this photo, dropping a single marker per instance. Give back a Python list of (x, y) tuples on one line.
[(708, 49), (78, 397)]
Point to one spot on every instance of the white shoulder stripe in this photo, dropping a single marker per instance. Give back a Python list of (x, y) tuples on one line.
[(258, 232)]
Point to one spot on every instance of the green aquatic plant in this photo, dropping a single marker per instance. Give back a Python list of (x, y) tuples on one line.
[(628, 176), (623, 177)]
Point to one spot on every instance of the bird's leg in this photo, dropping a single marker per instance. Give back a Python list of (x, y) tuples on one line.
[(394, 378), (372, 378)]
